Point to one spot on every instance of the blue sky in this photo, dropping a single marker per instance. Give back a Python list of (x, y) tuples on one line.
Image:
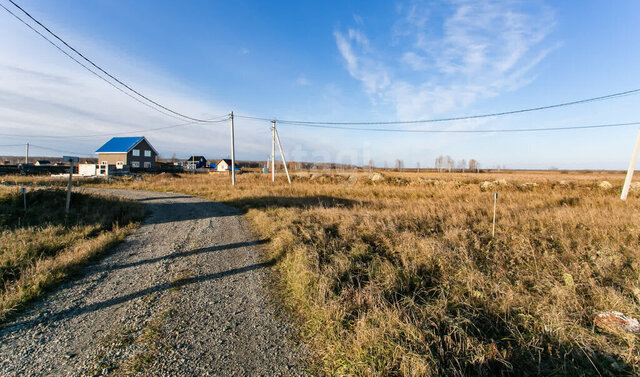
[(330, 61)]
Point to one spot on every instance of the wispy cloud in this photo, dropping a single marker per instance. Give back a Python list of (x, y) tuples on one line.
[(478, 50), (43, 93), (303, 81)]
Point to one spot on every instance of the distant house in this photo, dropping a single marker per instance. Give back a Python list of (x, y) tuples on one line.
[(43, 163), (134, 152), (224, 165), (196, 162)]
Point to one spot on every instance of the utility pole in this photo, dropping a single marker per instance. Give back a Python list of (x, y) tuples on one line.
[(26, 156), (284, 161), (273, 150), (632, 167), (233, 154)]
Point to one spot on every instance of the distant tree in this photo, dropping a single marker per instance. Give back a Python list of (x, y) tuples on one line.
[(418, 167), (439, 163), (399, 165), (462, 164), (173, 157), (449, 163), (474, 165), (370, 165)]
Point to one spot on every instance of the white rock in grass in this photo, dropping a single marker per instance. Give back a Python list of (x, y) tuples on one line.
[(486, 185), (616, 322), (605, 185), (376, 177)]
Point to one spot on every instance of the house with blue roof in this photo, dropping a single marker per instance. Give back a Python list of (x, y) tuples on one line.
[(135, 153)]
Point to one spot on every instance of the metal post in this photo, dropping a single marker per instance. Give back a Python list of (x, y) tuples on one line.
[(284, 161), (273, 151), (233, 154), (495, 201), (632, 166), (66, 211), (26, 156), (24, 197)]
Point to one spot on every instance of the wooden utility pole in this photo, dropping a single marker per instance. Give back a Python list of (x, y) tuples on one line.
[(71, 160), (632, 167), (284, 161), (273, 151), (233, 153)]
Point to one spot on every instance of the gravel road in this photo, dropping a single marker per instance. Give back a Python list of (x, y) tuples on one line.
[(185, 295)]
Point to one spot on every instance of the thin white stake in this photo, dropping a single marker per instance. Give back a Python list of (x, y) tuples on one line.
[(26, 156), (273, 151), (632, 167), (233, 153), (495, 202), (284, 161)]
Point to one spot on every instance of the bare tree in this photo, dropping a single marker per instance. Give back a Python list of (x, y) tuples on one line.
[(439, 163), (474, 165), (449, 163), (462, 164), (418, 167), (399, 165), (370, 166)]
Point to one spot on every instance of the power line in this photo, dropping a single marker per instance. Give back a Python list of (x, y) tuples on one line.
[(57, 150), (114, 134), (92, 63), (12, 145), (436, 120), (503, 130), (85, 67)]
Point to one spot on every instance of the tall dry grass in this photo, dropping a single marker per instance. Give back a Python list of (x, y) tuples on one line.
[(403, 277), (42, 246)]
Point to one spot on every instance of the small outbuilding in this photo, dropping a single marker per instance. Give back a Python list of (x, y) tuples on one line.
[(43, 163)]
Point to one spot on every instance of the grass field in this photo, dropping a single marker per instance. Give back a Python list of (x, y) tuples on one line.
[(41, 247), (402, 276)]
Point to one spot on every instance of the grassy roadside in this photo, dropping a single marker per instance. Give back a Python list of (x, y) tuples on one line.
[(40, 248), (402, 276)]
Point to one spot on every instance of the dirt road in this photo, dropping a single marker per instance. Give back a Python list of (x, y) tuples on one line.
[(183, 296)]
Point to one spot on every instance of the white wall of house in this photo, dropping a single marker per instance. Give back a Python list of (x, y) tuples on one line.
[(222, 166)]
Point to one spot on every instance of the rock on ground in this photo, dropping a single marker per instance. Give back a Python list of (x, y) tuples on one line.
[(184, 295)]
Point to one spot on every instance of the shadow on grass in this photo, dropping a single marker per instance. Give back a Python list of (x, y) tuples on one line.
[(313, 201), (46, 207)]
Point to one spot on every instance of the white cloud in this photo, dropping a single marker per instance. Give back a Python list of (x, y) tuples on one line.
[(479, 50), (43, 93), (303, 81)]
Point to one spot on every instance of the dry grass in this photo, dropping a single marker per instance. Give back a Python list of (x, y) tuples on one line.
[(402, 277), (42, 247)]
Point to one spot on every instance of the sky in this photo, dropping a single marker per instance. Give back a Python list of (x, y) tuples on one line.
[(340, 61)]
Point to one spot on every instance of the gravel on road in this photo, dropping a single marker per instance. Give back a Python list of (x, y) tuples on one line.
[(185, 295)]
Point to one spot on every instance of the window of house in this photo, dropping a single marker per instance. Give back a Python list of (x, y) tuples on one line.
[(147, 153), (119, 164), (147, 165), (136, 152), (135, 164), (104, 163)]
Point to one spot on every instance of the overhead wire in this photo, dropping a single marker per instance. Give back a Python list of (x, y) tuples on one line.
[(92, 63), (503, 130), (111, 134), (449, 119)]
